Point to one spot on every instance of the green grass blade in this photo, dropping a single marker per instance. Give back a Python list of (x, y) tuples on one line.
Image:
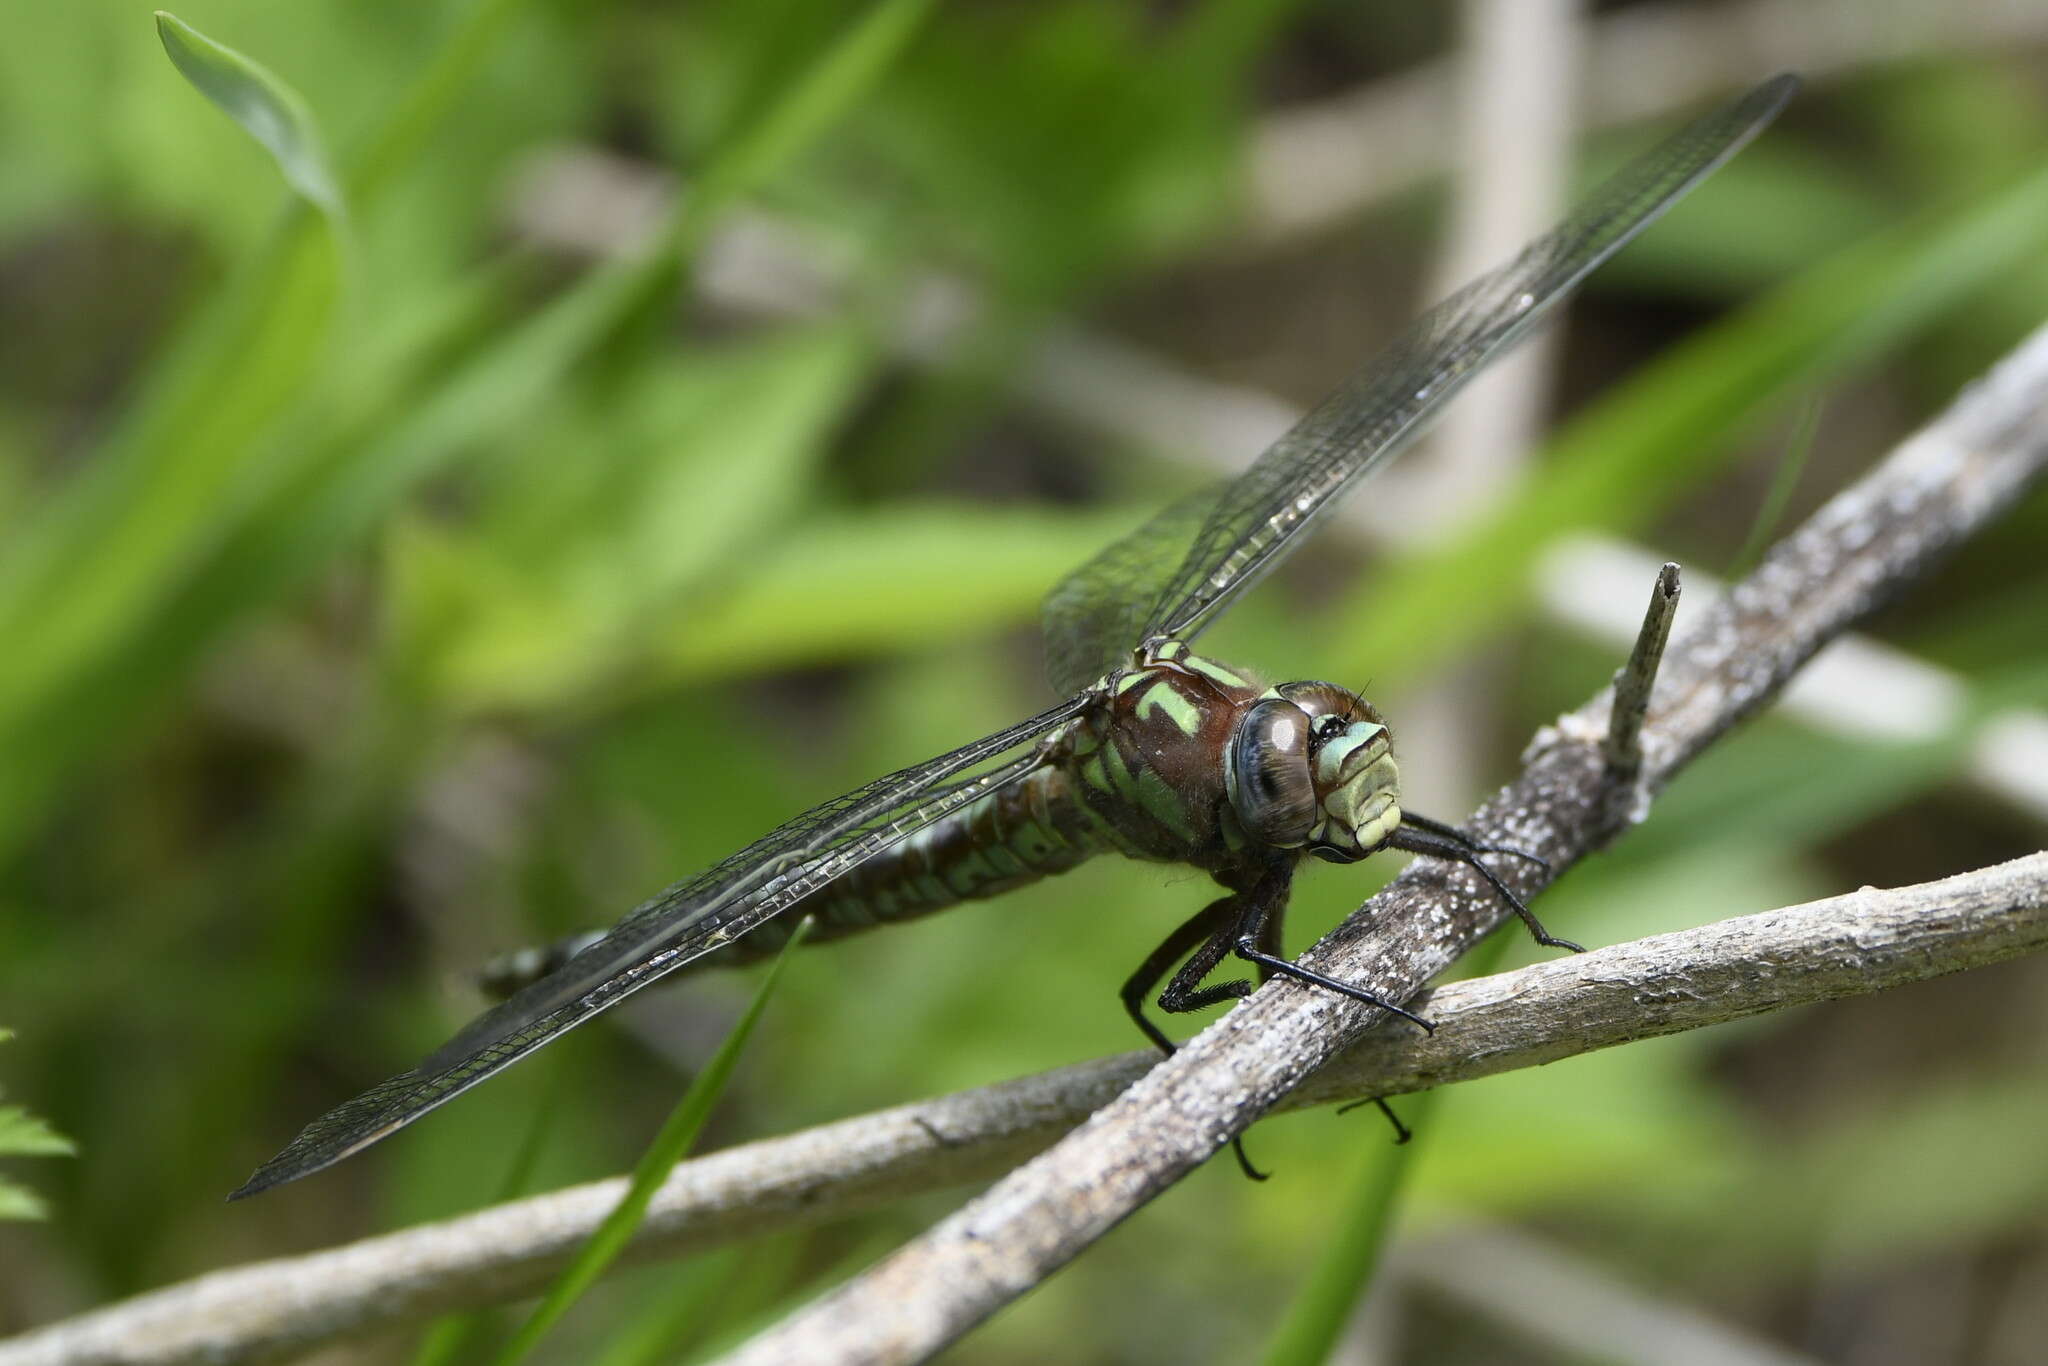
[(265, 106), (450, 1339), (1630, 455), (427, 103), (83, 577), (82, 573), (1784, 479), (1338, 1281), (668, 1148), (87, 580), (815, 101), (1322, 1308), (846, 73)]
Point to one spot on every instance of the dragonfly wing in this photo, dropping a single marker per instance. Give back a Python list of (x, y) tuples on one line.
[(680, 924), (1097, 613), (1393, 398)]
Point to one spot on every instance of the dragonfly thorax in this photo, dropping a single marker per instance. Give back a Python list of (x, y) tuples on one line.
[(1311, 765)]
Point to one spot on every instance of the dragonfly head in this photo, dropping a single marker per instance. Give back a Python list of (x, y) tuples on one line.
[(1312, 766)]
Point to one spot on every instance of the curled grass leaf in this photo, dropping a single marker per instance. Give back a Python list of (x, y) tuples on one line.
[(262, 103)]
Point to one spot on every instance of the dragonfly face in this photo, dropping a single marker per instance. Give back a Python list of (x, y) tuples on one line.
[(1155, 753), (1311, 766)]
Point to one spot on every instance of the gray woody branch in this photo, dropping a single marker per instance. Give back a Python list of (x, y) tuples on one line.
[(1869, 542)]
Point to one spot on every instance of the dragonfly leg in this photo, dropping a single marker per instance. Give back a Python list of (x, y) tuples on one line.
[(1203, 925), (1254, 941), (1402, 1133), (1249, 950), (1186, 992), (1444, 830), (1209, 930), (1455, 847), (1270, 942)]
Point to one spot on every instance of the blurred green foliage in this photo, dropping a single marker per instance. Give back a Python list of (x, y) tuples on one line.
[(374, 608), (23, 1135)]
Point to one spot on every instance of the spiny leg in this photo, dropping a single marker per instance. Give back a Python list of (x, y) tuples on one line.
[(1255, 937), (1250, 945), (1402, 1133), (1451, 832), (1185, 992), (1209, 925), (1447, 842), (1203, 925), (1271, 940)]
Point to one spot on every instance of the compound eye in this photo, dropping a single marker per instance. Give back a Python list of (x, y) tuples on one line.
[(1274, 790)]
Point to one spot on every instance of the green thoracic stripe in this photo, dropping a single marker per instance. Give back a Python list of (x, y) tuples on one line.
[(1164, 804), (1119, 772), (1216, 671), (1183, 713)]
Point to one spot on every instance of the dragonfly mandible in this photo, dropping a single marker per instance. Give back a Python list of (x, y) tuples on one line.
[(1157, 753)]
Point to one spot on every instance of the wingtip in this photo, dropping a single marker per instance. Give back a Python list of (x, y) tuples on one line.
[(300, 1158), (262, 1179)]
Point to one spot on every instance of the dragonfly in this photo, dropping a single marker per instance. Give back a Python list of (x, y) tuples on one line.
[(1156, 753)]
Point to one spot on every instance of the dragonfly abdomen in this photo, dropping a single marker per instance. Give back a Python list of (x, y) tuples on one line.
[(1030, 829), (1015, 835)]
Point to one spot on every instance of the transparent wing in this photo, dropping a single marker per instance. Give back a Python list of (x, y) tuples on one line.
[(1257, 517), (1097, 613), (682, 923)]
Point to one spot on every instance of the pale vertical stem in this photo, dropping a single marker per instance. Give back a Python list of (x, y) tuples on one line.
[(1517, 90), (1516, 86), (1516, 83)]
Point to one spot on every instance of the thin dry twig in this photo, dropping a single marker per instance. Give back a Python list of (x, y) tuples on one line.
[(1861, 548)]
